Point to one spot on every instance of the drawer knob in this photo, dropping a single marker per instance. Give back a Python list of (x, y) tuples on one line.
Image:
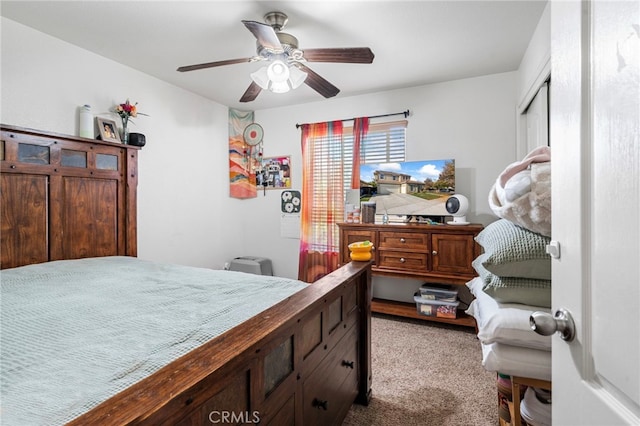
[(348, 364), (402, 240), (435, 253), (402, 260), (319, 404)]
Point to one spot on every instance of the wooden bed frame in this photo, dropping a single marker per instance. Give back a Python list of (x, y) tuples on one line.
[(304, 361)]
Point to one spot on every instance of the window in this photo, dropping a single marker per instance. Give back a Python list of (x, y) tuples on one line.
[(384, 143), (328, 189), (327, 155)]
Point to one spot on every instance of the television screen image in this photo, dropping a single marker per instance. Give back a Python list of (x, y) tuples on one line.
[(412, 189)]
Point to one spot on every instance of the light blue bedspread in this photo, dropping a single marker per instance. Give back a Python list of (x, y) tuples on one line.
[(74, 333)]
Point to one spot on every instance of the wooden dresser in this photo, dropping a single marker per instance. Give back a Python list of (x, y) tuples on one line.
[(433, 253)]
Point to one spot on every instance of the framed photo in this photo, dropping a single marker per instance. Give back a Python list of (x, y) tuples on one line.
[(108, 130), (275, 173)]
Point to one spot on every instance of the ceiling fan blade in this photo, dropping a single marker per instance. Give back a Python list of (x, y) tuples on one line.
[(317, 83), (352, 55), (265, 34), (213, 64), (252, 92)]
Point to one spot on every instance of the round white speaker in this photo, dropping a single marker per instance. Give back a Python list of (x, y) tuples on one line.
[(457, 205)]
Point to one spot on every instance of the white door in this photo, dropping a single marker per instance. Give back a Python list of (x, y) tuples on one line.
[(595, 150)]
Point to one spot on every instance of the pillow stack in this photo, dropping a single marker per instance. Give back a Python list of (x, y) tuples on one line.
[(514, 280), (514, 266)]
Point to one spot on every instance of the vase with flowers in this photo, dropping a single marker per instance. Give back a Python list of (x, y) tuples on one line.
[(127, 110)]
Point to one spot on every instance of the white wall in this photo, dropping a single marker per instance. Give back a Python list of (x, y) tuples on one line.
[(185, 214), (471, 120), (183, 206)]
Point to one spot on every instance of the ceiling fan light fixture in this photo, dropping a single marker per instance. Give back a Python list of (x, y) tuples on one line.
[(261, 78), (278, 72), (297, 77), (279, 77), (279, 87)]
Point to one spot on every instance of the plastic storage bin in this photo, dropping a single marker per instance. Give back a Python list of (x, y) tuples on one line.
[(445, 293), (436, 308)]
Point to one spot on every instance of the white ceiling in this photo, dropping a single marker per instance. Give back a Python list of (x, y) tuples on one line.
[(414, 42)]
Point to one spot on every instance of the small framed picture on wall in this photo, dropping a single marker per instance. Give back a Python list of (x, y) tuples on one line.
[(108, 130), (275, 173)]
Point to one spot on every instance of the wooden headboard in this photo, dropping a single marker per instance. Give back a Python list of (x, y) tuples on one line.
[(65, 197)]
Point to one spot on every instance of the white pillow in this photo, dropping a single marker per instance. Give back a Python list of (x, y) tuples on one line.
[(515, 361), (506, 323)]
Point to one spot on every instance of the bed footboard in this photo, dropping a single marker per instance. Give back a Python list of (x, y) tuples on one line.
[(302, 362)]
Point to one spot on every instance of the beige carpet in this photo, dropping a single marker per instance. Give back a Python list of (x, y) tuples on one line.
[(426, 373)]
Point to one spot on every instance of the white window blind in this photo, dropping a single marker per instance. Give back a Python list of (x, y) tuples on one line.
[(384, 143), (327, 171)]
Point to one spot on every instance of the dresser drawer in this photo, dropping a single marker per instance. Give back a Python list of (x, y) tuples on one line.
[(407, 261), (403, 240), (354, 236), (331, 389)]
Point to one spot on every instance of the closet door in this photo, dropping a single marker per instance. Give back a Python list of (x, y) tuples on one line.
[(537, 120)]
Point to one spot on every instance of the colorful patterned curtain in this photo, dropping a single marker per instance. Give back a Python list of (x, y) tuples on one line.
[(360, 129), (322, 199)]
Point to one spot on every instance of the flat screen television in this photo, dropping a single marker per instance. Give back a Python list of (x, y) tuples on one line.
[(409, 191)]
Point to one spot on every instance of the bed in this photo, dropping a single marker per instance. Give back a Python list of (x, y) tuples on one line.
[(301, 358)]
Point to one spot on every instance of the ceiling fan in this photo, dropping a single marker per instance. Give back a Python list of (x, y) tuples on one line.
[(287, 67)]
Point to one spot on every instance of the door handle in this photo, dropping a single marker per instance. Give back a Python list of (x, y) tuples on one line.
[(561, 322)]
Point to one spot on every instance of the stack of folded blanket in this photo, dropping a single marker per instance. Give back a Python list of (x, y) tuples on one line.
[(514, 275), (522, 192)]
